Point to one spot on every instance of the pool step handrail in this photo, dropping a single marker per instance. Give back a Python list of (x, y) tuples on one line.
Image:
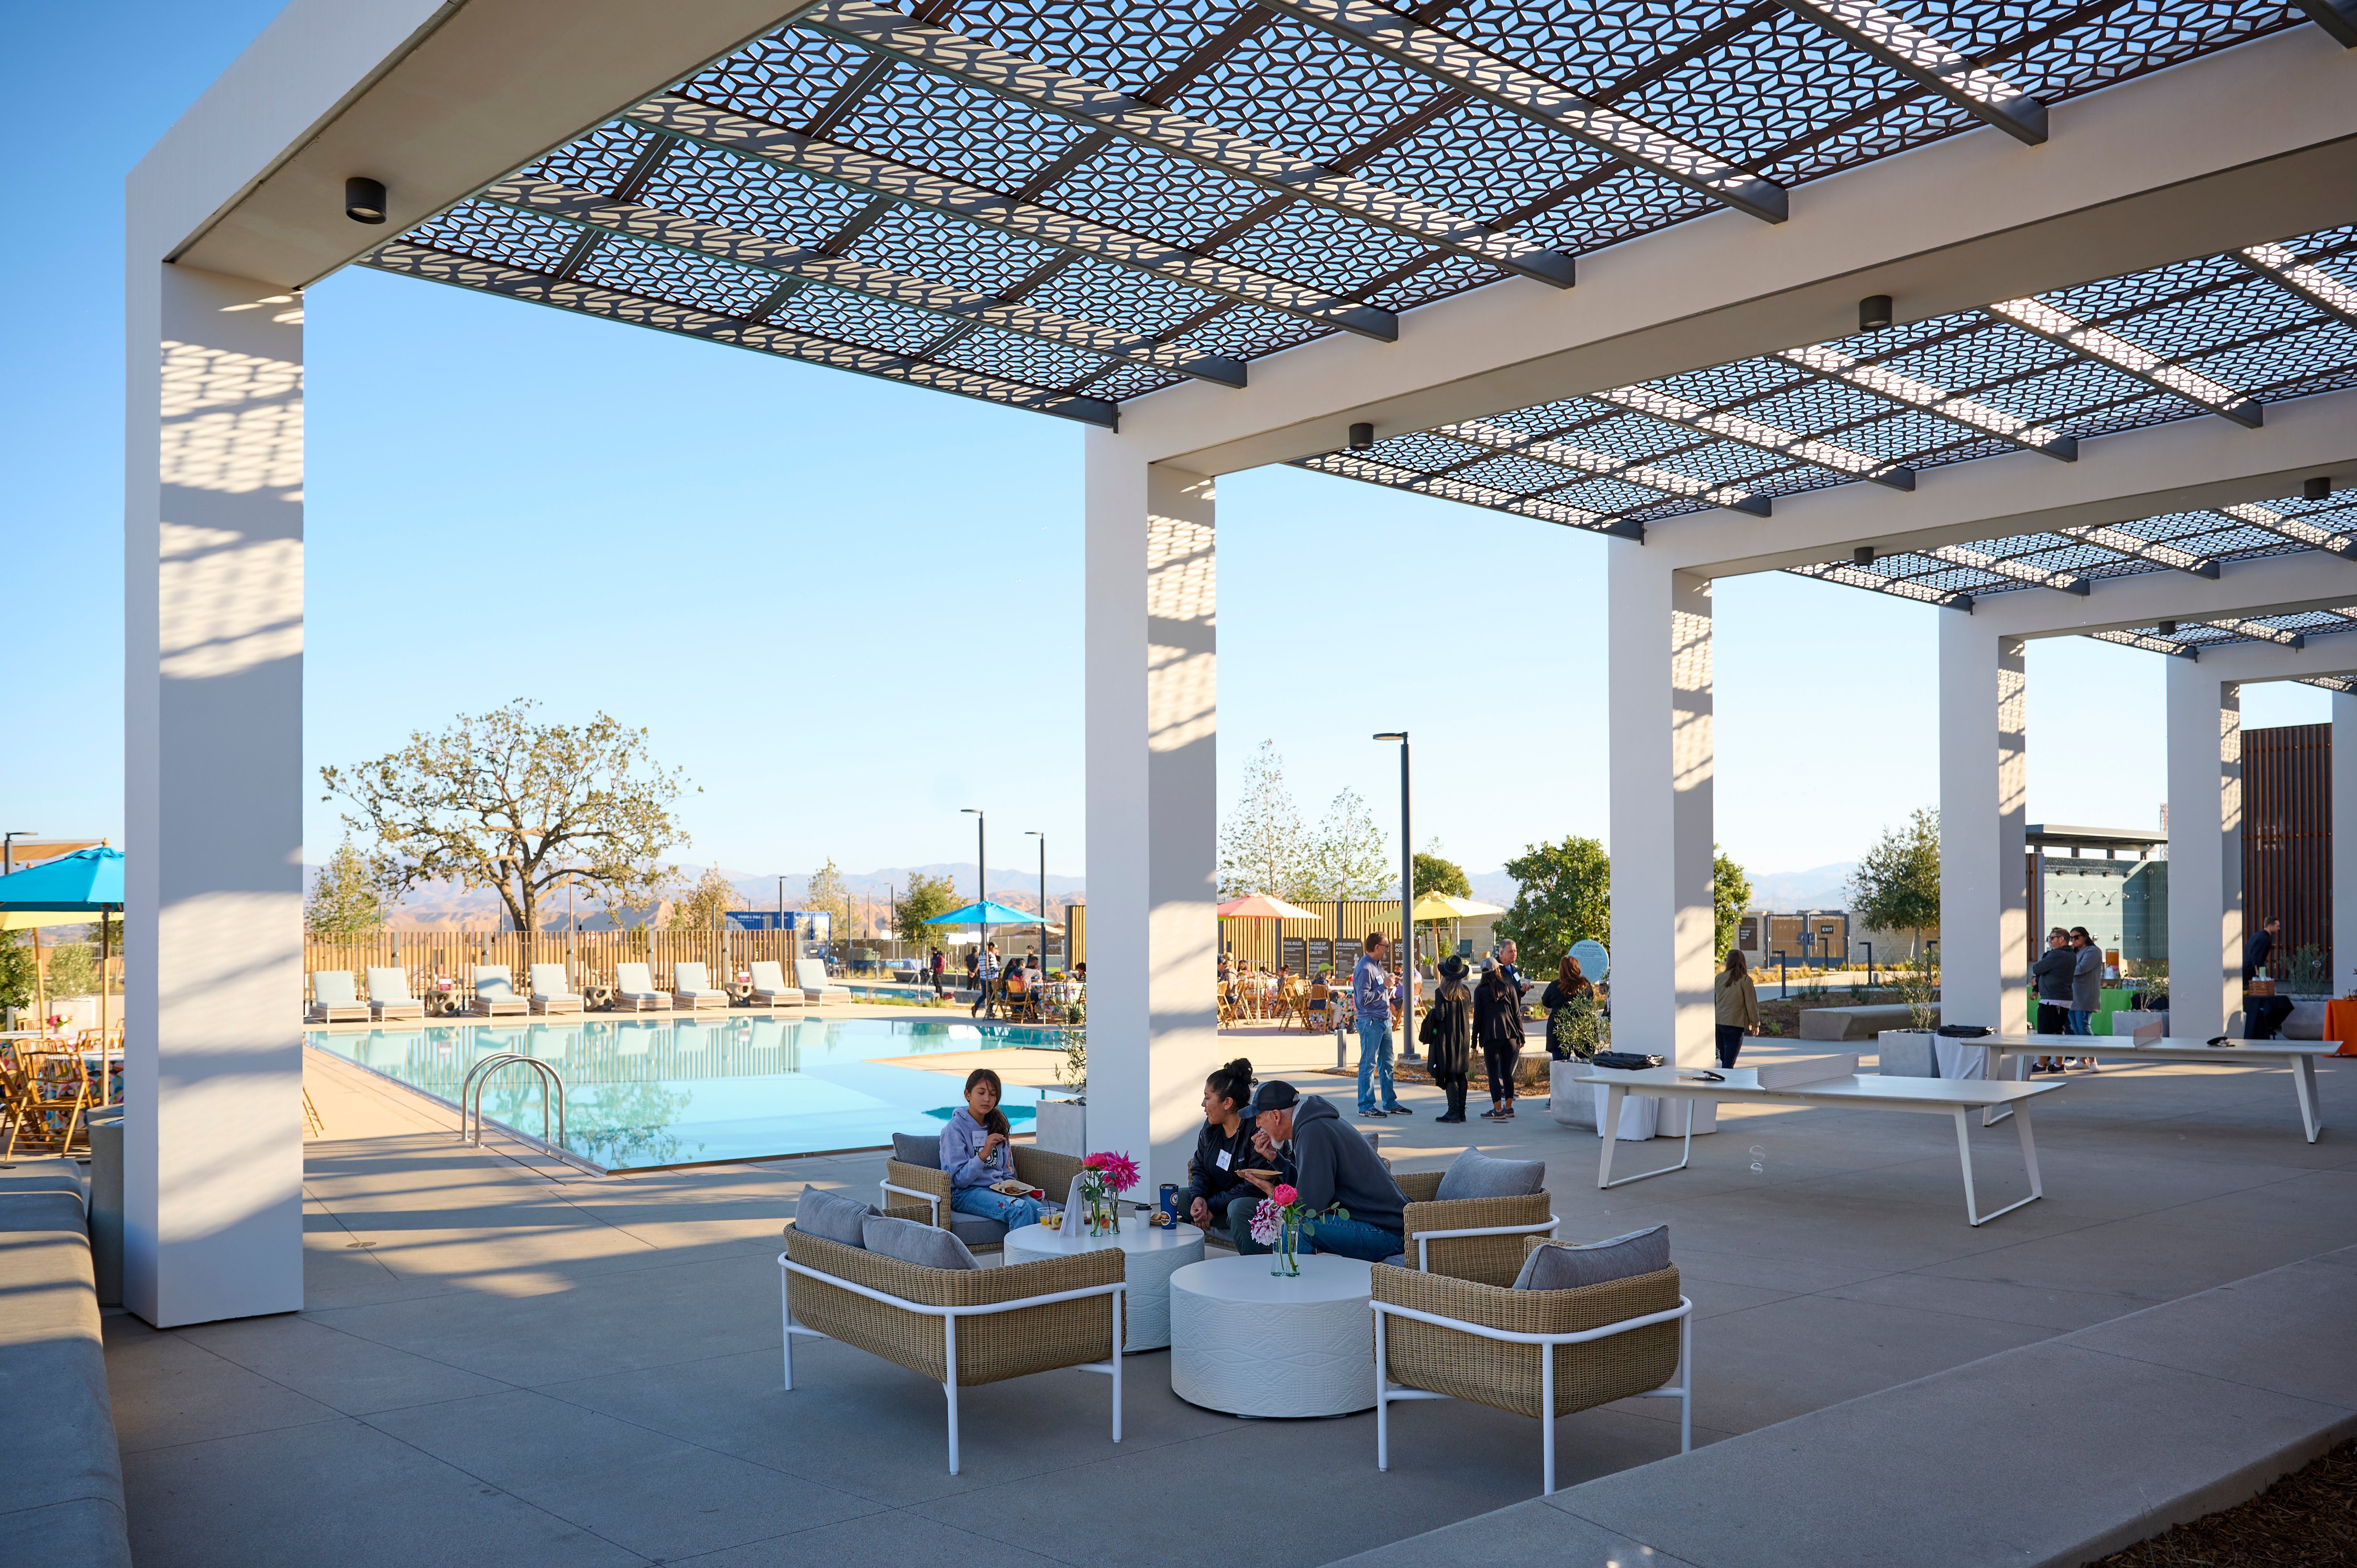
[(470, 1095)]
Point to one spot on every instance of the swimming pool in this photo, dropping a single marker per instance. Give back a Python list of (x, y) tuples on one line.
[(676, 1092)]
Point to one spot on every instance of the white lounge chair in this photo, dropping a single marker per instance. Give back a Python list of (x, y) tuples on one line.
[(333, 1000), (691, 987), (634, 989), (812, 974), (770, 987), (551, 992), (495, 993), (389, 995)]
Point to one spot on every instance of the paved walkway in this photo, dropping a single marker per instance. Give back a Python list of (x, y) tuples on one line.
[(504, 1361)]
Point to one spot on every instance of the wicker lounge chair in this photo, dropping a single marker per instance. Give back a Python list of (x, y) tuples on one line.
[(634, 989), (552, 990), (691, 987), (770, 990), (495, 995), (1469, 1237), (915, 1172), (958, 1326), (333, 1000), (1529, 1352), (389, 995)]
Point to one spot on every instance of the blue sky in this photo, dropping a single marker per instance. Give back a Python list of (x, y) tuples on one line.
[(848, 607)]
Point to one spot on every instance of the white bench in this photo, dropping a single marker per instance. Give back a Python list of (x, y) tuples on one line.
[(1936, 1096), (2297, 1054)]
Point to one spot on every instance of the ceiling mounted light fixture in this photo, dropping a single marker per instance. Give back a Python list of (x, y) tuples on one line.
[(364, 199), (1862, 555), (2316, 489), (1363, 437), (2166, 629), (1874, 313)]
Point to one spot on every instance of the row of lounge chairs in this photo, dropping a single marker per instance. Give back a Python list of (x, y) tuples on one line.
[(335, 1000)]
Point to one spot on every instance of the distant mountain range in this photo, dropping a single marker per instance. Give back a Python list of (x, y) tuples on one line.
[(1819, 887)]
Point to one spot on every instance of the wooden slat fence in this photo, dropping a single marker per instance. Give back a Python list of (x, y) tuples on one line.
[(2287, 837), (590, 956), (1286, 943)]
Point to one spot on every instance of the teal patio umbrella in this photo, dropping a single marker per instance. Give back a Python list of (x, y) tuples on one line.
[(87, 882), (989, 912)]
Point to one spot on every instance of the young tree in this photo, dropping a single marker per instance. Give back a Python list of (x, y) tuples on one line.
[(829, 896), (344, 901), (17, 987), (927, 896), (1897, 886), (1434, 875), (1350, 858), (1730, 891), (1563, 895), (502, 801), (1261, 847), (706, 906), (73, 969)]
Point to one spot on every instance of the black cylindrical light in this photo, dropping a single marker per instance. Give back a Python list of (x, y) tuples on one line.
[(1874, 313), (364, 199), (1862, 555), (1361, 437), (2166, 629), (2316, 489)]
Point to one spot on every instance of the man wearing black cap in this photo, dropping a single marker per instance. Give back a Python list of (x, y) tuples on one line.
[(1328, 1163)]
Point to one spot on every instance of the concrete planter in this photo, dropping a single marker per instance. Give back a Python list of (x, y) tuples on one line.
[(1062, 1127), (1907, 1053), (1570, 1103)]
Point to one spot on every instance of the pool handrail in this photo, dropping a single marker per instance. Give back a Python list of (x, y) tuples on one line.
[(470, 1095)]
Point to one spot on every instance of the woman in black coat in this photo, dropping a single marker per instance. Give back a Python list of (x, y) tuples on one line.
[(1446, 1034), (1498, 1024)]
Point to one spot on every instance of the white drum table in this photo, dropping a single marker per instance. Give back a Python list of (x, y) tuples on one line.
[(1245, 1341), (1154, 1255)]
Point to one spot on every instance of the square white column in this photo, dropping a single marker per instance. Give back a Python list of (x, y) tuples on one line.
[(2205, 850), (2344, 844), (1151, 706), (1662, 758), (1984, 809), (212, 796)]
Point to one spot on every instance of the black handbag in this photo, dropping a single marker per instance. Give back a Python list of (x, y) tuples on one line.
[(1623, 1061)]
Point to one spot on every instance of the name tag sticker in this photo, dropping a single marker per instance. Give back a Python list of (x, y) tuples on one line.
[(1224, 1159)]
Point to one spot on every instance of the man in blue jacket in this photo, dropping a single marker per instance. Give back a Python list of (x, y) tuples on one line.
[(1329, 1164)]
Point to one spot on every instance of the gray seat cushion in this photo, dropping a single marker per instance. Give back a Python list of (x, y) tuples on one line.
[(1476, 1175), (1397, 1260), (914, 1243), (975, 1229), (915, 1149), (1564, 1265), (833, 1216)]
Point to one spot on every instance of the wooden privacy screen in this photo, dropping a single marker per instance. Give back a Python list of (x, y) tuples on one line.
[(2287, 837)]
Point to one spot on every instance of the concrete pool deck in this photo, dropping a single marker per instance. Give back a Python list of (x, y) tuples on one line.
[(503, 1359)]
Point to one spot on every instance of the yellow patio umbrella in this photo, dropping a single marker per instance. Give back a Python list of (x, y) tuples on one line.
[(1431, 908)]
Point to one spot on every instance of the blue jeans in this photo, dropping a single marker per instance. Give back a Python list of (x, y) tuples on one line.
[(1013, 1212), (2079, 1022), (1354, 1239), (1375, 1062)]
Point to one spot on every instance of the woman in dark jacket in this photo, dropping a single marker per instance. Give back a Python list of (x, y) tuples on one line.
[(1568, 982), (1222, 1149), (1498, 1024), (1446, 1034)]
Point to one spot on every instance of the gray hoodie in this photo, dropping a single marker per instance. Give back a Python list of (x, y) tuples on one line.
[(2087, 980), (1333, 1163)]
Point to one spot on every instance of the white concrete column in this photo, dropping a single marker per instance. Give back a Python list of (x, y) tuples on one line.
[(212, 795), (2205, 850), (1984, 805), (2344, 844), (1662, 759), (1151, 706)]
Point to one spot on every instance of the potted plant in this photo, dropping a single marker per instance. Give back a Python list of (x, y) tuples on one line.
[(1908, 1052)]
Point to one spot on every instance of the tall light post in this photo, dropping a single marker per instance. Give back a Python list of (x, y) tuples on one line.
[(1035, 834), (981, 882), (1407, 907)]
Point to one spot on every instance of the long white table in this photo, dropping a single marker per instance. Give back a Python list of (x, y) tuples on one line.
[(2298, 1055), (1936, 1096)]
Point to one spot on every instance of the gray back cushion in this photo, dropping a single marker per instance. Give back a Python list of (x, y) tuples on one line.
[(833, 1216), (914, 1243), (916, 1149), (1558, 1265), (1476, 1175)]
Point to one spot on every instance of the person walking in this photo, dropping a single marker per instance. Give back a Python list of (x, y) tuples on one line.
[(2262, 1016), (985, 1003), (1498, 1024), (1738, 1004), (941, 972), (1447, 1034), (1371, 991), (2053, 972)]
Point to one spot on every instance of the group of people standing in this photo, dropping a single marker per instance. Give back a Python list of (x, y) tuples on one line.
[(2070, 976), (1487, 1014)]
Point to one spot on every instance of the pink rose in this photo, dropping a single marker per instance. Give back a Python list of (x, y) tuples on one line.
[(1283, 1195)]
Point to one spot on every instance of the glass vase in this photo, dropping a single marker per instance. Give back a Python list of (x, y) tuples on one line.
[(1284, 1261)]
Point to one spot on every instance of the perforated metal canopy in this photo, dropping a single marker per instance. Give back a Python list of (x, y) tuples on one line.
[(1060, 206)]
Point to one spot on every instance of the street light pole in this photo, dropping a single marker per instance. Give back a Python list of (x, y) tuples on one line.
[(1407, 906), (1034, 834), (981, 884)]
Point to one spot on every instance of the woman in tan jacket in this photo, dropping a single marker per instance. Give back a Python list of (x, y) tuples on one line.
[(1739, 1007)]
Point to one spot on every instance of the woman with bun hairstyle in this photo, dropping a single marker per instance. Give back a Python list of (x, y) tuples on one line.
[(1220, 1197)]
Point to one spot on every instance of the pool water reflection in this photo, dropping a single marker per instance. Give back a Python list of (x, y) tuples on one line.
[(646, 1093)]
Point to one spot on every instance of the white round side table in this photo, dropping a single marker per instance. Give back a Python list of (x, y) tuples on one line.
[(1153, 1254), (1252, 1343)]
